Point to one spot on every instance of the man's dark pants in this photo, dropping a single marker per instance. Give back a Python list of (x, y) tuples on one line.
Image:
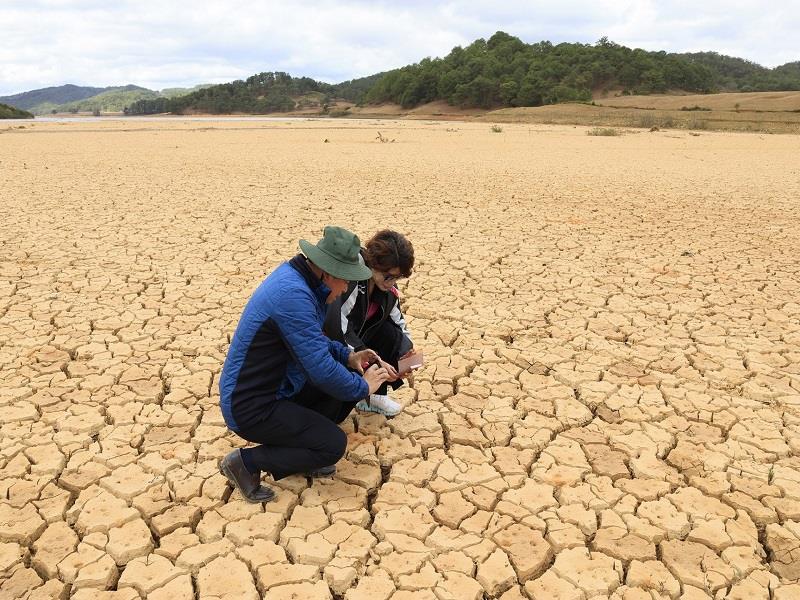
[(301, 434), (298, 435)]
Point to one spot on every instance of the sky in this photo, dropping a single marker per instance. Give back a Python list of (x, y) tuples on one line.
[(166, 43)]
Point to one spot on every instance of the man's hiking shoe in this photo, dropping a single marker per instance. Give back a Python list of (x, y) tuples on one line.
[(381, 404), (322, 472), (248, 484)]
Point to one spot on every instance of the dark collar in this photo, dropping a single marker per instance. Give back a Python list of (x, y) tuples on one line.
[(300, 264)]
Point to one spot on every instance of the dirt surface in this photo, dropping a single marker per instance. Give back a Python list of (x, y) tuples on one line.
[(438, 110), (755, 112), (646, 118), (610, 405), (743, 101)]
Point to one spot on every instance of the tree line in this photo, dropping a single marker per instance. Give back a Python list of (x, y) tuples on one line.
[(732, 74), (265, 92), (504, 71), (262, 93), (500, 71)]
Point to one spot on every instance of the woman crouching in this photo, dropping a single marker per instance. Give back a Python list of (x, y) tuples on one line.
[(368, 314)]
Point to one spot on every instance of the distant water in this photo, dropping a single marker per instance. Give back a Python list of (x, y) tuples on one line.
[(164, 118)]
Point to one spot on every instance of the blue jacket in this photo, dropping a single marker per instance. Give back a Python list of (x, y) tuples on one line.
[(279, 345)]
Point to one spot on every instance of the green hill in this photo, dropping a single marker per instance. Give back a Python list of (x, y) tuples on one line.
[(498, 72), (11, 112), (51, 95), (262, 93), (179, 91), (504, 71), (355, 90), (72, 98), (731, 74), (112, 100)]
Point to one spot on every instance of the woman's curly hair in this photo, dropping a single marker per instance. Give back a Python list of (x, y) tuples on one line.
[(388, 249)]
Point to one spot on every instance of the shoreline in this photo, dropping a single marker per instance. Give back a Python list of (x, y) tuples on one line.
[(750, 120)]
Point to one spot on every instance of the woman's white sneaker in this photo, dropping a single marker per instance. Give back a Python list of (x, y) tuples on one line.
[(381, 404)]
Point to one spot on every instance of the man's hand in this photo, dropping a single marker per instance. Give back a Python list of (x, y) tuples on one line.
[(359, 360), (375, 377)]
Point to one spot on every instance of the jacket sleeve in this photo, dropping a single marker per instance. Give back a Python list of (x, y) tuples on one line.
[(296, 317), (348, 327), (340, 351), (397, 318)]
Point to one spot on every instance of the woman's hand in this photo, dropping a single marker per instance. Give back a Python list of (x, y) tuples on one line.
[(390, 370), (375, 377), (408, 372)]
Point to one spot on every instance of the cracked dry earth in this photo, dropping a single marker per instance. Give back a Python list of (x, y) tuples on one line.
[(610, 406)]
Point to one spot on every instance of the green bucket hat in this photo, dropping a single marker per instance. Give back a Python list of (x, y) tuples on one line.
[(338, 254)]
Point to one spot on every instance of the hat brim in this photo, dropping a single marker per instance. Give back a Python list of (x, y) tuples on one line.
[(333, 266)]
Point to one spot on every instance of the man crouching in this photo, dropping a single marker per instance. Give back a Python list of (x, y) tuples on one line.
[(284, 384)]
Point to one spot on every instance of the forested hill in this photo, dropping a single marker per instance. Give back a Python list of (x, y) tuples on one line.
[(53, 95), (11, 112), (262, 93), (732, 74), (504, 71), (75, 99), (500, 71)]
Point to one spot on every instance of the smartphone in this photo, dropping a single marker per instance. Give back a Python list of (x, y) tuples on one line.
[(414, 361)]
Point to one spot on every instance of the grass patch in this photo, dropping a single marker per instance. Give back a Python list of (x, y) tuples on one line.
[(497, 129), (695, 123), (603, 131), (695, 107), (339, 113), (648, 121)]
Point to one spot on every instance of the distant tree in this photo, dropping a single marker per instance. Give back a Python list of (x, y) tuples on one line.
[(508, 91)]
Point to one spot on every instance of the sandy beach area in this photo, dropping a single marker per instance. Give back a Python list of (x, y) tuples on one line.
[(610, 406)]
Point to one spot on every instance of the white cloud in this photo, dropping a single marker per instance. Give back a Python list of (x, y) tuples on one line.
[(163, 44)]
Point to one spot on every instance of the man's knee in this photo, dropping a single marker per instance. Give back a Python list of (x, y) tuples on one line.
[(335, 445)]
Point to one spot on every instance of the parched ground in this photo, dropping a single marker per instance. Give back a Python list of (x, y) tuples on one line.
[(731, 101), (610, 405)]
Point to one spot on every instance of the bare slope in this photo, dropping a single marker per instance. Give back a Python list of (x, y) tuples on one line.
[(609, 116), (755, 101)]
